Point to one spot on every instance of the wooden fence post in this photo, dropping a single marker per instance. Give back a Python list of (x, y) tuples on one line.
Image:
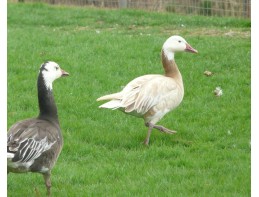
[(122, 3)]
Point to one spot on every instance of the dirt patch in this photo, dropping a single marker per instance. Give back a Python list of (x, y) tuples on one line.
[(243, 33)]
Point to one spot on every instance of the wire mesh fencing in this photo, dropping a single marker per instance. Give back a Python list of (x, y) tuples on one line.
[(233, 8)]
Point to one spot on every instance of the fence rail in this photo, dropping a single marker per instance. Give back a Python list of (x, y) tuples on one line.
[(233, 8)]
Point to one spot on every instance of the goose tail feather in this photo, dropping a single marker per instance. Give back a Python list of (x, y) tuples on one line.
[(109, 97), (113, 104)]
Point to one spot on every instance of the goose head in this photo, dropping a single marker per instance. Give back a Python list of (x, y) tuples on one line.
[(177, 44), (51, 71)]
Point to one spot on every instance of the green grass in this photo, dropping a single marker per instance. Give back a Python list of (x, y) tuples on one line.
[(103, 50)]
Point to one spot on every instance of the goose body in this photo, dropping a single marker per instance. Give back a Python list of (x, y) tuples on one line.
[(33, 145), (147, 95), (152, 96)]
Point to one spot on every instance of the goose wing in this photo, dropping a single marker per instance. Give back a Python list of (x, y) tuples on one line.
[(150, 93), (142, 93), (125, 97), (27, 140)]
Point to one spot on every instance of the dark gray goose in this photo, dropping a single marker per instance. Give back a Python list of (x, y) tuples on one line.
[(33, 145)]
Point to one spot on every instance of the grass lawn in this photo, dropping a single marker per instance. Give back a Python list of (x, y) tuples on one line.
[(103, 49)]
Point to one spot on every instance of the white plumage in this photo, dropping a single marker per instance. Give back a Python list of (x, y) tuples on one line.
[(152, 96)]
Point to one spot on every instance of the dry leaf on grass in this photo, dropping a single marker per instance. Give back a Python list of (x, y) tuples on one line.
[(207, 73)]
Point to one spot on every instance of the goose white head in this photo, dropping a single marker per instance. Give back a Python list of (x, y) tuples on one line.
[(176, 44), (51, 71)]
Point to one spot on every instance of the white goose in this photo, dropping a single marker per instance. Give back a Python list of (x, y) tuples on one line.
[(152, 96)]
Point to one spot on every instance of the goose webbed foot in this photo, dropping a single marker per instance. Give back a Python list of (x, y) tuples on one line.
[(158, 127), (164, 130)]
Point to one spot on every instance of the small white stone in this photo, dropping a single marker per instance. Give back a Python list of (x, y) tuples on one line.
[(218, 91)]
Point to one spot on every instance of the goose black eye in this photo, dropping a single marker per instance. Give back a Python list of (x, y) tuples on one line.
[(179, 41), (56, 68)]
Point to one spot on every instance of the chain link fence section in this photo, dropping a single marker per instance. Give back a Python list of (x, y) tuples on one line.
[(232, 8)]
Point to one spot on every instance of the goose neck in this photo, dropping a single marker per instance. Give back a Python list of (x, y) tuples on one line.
[(47, 106), (170, 67)]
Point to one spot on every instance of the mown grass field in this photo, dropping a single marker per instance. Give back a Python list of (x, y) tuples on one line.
[(103, 154)]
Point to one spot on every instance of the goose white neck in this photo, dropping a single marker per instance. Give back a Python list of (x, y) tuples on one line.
[(47, 79), (47, 83), (168, 53)]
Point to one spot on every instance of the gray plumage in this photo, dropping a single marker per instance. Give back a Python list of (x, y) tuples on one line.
[(33, 145)]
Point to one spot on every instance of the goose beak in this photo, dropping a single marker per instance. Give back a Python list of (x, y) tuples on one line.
[(190, 49), (64, 73)]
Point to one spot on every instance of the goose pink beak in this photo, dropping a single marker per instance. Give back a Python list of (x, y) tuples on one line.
[(64, 73), (190, 49)]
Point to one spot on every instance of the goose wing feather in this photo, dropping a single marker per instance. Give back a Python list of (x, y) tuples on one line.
[(152, 93), (142, 93), (28, 139)]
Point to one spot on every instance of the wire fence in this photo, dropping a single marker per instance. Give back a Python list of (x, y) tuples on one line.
[(233, 8)]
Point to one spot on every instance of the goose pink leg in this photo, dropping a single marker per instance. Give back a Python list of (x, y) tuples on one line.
[(150, 127)]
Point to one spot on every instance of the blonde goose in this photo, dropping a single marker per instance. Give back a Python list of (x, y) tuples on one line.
[(152, 96), (33, 145)]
